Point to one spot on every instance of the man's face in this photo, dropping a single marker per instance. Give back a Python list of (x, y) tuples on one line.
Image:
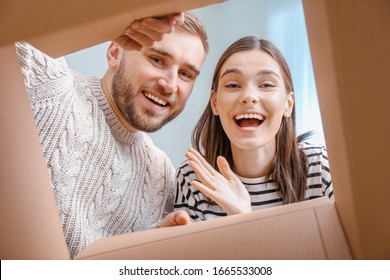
[(151, 87)]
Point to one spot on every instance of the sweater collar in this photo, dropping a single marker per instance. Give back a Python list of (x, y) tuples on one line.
[(117, 128)]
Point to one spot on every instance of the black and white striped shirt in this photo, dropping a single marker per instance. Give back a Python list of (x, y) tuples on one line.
[(263, 193)]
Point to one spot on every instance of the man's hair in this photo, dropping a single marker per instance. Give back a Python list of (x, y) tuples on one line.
[(193, 25)]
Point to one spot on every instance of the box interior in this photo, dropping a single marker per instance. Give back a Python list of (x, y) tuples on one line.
[(350, 51)]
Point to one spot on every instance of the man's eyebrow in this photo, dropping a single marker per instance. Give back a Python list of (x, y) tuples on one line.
[(162, 52), (259, 73), (193, 68), (167, 54)]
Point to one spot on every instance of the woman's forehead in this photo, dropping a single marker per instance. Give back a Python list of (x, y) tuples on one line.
[(251, 60)]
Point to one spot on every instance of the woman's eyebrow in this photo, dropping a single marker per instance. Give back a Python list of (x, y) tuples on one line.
[(267, 72), (231, 70), (259, 73)]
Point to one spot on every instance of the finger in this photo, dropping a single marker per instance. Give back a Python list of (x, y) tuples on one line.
[(174, 219), (138, 27), (182, 217), (140, 38), (128, 44), (204, 189), (199, 164), (161, 25), (176, 19), (224, 168), (168, 221), (199, 158), (203, 175)]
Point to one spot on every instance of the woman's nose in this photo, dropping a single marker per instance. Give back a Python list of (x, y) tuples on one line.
[(249, 97)]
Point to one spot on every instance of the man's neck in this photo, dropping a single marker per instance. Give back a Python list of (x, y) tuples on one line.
[(105, 84)]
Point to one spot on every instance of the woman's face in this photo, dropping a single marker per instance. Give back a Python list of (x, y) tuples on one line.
[(251, 100)]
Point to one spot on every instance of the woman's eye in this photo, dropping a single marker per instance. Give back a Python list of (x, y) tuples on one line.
[(232, 85), (267, 85)]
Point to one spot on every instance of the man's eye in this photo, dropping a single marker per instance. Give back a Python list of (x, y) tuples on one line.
[(156, 59), (186, 75)]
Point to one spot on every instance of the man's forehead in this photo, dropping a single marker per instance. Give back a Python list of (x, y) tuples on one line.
[(181, 46)]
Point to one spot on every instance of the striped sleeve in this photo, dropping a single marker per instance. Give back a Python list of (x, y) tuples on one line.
[(319, 177), (194, 202), (184, 197)]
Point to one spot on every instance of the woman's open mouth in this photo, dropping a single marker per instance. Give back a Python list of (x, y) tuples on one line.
[(250, 120)]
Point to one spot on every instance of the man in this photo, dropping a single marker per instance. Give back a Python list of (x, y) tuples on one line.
[(108, 177)]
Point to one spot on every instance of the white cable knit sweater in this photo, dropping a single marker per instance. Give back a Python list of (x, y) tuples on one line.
[(106, 180)]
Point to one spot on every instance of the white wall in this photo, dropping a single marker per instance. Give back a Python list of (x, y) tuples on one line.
[(280, 21)]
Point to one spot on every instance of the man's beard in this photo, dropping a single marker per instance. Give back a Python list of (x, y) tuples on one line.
[(124, 96)]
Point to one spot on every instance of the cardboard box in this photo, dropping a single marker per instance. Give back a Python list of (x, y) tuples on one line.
[(307, 230), (350, 51), (60, 27), (350, 47)]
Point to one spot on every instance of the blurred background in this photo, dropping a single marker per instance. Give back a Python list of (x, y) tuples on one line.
[(279, 21)]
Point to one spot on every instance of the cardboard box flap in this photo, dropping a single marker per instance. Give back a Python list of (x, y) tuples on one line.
[(355, 114), (63, 27), (286, 232), (31, 227)]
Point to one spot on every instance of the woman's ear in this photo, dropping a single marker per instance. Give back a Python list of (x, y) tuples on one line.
[(289, 105), (213, 102), (113, 55)]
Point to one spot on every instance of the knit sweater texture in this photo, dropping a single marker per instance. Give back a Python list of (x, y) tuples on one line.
[(106, 179)]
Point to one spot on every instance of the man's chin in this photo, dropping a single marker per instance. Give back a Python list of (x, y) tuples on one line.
[(150, 121), (150, 126), (151, 130)]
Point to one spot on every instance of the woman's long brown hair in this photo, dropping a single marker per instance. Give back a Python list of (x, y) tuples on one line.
[(288, 169)]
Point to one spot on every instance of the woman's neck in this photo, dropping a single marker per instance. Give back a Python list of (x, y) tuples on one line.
[(252, 163)]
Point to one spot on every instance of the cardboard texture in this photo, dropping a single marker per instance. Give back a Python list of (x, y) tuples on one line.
[(350, 43), (307, 230), (30, 225), (350, 51), (76, 25)]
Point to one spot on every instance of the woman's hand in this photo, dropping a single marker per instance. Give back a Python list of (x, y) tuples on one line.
[(224, 188), (145, 32)]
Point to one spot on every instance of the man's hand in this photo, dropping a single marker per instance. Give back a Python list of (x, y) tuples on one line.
[(176, 218), (145, 32)]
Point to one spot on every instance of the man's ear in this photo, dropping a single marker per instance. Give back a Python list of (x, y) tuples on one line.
[(213, 102), (289, 105), (113, 55)]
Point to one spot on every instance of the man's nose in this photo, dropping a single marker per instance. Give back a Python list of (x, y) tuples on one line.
[(169, 82)]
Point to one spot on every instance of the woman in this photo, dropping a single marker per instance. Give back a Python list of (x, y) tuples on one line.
[(247, 156)]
